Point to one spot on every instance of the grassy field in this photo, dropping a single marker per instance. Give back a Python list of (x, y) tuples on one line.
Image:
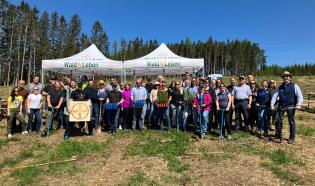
[(154, 158)]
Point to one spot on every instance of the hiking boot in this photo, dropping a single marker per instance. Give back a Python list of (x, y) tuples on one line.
[(266, 138), (291, 141), (10, 136), (229, 137), (277, 140)]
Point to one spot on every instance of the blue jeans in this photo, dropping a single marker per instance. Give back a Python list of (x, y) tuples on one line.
[(187, 110), (38, 116), (153, 115), (278, 120), (94, 123), (112, 119), (164, 113), (262, 122), (176, 115), (203, 120), (144, 111)]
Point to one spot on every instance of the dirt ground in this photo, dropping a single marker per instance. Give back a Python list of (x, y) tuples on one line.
[(209, 161)]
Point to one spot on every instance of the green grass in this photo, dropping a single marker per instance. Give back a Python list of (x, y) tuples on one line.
[(139, 178), (63, 151), (168, 145), (281, 173), (3, 142), (241, 135), (26, 176), (305, 131)]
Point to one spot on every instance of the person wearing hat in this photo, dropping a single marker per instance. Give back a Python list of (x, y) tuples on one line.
[(289, 98), (84, 81), (153, 112), (102, 96), (242, 96), (201, 103), (113, 103)]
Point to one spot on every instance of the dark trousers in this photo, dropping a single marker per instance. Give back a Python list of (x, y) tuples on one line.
[(253, 116), (112, 119), (94, 123), (126, 118), (137, 119), (38, 117), (224, 115), (68, 125), (278, 121), (241, 108), (15, 114)]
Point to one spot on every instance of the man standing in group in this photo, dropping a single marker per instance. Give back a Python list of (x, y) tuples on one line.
[(242, 96), (290, 98), (230, 89), (91, 92), (35, 83), (186, 77), (24, 93), (138, 97)]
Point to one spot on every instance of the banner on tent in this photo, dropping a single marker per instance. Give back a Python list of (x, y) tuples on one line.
[(80, 111), (164, 61)]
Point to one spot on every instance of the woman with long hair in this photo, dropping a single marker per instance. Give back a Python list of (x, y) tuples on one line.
[(14, 111), (163, 99), (126, 107), (34, 104)]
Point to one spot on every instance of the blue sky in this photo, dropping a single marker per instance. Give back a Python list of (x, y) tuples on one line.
[(284, 28)]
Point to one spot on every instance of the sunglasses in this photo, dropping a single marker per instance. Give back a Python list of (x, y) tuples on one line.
[(35, 89), (16, 90), (177, 84)]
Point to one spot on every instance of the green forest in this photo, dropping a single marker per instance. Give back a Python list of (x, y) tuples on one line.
[(27, 36)]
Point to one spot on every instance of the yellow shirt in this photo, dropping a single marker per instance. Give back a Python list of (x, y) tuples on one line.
[(15, 104)]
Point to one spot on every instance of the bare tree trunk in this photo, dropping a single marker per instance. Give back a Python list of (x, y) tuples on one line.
[(24, 48), (30, 65), (34, 67), (18, 61), (10, 60)]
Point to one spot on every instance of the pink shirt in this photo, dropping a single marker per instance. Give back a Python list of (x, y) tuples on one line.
[(207, 101), (127, 103)]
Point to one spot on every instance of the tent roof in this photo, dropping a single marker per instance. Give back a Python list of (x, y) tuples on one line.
[(162, 61), (90, 60)]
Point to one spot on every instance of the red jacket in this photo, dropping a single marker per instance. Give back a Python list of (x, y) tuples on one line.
[(206, 100)]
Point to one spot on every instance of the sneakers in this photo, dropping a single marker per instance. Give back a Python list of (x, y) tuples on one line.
[(66, 138), (24, 132), (291, 141), (10, 136), (229, 137), (221, 137)]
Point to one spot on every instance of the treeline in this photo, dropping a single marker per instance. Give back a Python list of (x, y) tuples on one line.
[(307, 69), (28, 36)]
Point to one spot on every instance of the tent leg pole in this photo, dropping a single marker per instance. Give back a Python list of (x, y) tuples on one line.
[(43, 76)]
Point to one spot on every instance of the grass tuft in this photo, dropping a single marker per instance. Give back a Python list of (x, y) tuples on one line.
[(169, 145), (281, 173)]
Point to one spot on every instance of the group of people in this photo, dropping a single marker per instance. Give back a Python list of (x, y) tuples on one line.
[(208, 104)]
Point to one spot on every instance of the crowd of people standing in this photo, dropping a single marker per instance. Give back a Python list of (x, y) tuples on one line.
[(206, 105)]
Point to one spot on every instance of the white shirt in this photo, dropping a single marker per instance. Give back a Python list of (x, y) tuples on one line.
[(35, 100)]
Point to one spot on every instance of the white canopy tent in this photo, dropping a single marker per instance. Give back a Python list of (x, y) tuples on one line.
[(162, 61), (89, 62)]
